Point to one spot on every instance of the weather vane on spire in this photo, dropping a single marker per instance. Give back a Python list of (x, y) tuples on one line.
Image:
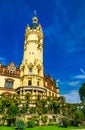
[(35, 12)]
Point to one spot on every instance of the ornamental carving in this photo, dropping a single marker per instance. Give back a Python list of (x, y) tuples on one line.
[(11, 67)]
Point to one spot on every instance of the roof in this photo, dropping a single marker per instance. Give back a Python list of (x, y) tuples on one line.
[(34, 25)]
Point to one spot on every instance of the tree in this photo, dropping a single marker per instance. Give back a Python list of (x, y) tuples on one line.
[(8, 106), (82, 92), (27, 99), (41, 107), (44, 119), (72, 115), (54, 107), (32, 110), (23, 110), (78, 117), (12, 111), (11, 114), (65, 122)]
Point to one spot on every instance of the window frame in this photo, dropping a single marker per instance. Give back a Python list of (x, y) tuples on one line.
[(8, 81)]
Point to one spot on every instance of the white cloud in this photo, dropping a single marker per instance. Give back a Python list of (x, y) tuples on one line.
[(82, 70), (3, 60), (74, 83), (72, 97), (79, 77), (58, 80)]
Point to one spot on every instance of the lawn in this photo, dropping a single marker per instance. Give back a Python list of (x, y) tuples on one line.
[(44, 128)]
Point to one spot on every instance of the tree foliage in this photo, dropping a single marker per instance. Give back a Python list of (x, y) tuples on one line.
[(12, 111), (82, 92), (31, 123), (44, 119)]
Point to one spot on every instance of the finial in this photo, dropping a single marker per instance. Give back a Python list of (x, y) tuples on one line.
[(35, 12)]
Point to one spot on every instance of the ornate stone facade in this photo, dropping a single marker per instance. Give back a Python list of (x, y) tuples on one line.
[(9, 78)]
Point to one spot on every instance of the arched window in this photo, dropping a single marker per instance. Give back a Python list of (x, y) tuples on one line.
[(9, 83)]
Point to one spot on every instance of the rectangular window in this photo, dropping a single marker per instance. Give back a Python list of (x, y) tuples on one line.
[(37, 83), (30, 71), (45, 83), (38, 71), (8, 84), (52, 87), (30, 82)]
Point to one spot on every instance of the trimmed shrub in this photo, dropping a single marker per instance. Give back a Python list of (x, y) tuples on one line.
[(20, 125), (30, 124), (32, 110), (65, 121), (51, 123), (44, 119)]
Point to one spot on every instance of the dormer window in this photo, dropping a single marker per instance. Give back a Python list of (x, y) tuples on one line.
[(11, 71), (11, 68)]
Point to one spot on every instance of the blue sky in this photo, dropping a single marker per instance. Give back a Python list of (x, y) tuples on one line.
[(63, 23)]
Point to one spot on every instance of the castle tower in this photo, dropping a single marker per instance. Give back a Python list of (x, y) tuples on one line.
[(31, 69)]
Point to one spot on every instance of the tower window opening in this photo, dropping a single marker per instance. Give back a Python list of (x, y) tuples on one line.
[(30, 71), (38, 71), (30, 82), (37, 83)]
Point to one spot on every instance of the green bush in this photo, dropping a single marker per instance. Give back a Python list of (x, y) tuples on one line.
[(45, 110), (35, 119), (44, 119), (20, 125), (32, 110), (51, 123), (65, 122), (30, 124)]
